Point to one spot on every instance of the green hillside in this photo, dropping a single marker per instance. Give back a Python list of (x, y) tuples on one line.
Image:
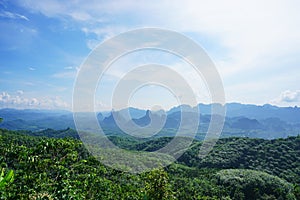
[(237, 168)]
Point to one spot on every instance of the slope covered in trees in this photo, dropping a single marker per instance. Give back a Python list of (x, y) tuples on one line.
[(237, 168)]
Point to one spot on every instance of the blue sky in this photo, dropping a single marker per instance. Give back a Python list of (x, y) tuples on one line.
[(255, 46)]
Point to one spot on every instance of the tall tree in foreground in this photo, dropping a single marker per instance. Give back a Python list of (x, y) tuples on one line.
[(157, 186)]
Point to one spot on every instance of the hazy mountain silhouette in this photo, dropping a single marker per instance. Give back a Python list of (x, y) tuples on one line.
[(265, 121)]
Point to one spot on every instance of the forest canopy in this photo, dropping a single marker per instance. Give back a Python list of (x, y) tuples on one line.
[(61, 168)]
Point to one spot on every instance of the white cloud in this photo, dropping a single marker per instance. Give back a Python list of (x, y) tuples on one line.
[(81, 16), (69, 73), (29, 83), (92, 43), (20, 92), (18, 101), (287, 98), (57, 102), (100, 106), (252, 31), (4, 96), (7, 100), (10, 15), (31, 68), (290, 96), (256, 36), (248, 28), (69, 67)]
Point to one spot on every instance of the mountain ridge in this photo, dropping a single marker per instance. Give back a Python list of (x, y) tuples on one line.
[(249, 120)]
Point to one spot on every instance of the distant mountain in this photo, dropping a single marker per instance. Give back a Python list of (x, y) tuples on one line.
[(287, 114), (18, 124), (265, 121), (100, 116), (30, 114), (205, 109), (135, 113), (244, 123), (276, 124), (144, 120), (109, 121), (181, 108), (34, 120), (107, 118), (173, 120)]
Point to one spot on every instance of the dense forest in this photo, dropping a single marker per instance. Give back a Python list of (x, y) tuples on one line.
[(55, 165)]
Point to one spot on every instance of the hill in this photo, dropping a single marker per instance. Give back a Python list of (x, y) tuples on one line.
[(237, 168)]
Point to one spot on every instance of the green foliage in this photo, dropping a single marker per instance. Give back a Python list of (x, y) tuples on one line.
[(157, 185), (61, 168), (66, 133), (280, 157), (250, 184), (5, 180), (297, 191)]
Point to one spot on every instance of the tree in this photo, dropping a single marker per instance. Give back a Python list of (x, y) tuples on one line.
[(297, 191), (157, 186), (251, 184)]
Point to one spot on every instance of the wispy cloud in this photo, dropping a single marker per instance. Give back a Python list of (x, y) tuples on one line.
[(255, 33), (28, 83), (31, 68), (92, 43), (68, 67), (258, 39), (69, 73), (10, 15)]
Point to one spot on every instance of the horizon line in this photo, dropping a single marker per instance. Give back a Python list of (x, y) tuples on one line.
[(145, 109)]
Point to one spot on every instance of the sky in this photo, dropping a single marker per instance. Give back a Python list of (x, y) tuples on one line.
[(255, 46)]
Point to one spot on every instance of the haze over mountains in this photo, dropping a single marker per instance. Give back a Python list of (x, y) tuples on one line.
[(265, 121)]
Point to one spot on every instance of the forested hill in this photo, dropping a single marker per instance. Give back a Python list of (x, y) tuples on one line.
[(237, 168)]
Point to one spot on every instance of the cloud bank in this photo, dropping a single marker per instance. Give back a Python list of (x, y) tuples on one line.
[(19, 101)]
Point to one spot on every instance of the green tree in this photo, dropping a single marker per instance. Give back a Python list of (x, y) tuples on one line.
[(157, 186), (297, 191), (251, 184)]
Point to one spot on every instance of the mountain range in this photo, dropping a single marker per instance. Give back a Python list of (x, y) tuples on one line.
[(246, 120)]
